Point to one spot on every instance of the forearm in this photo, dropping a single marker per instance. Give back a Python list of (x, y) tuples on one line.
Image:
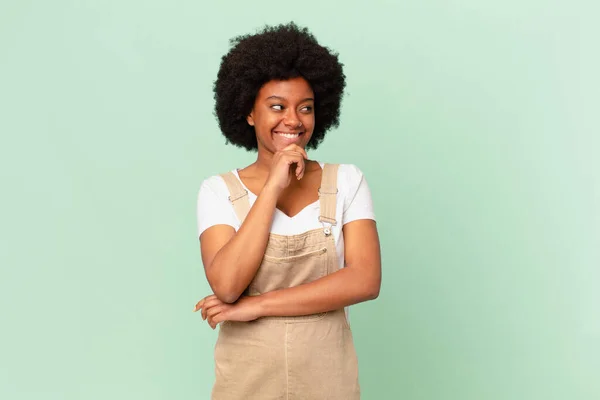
[(236, 263), (337, 290)]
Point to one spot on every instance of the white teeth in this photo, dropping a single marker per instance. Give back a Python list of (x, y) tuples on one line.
[(289, 135)]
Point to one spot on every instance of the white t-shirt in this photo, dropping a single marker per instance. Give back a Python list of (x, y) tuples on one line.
[(353, 202)]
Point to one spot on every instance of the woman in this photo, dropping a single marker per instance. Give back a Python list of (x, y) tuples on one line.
[(287, 242)]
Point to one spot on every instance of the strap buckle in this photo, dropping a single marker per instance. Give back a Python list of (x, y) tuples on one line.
[(324, 193), (327, 224), (238, 196)]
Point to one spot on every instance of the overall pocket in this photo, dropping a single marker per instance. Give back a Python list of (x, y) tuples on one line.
[(284, 272)]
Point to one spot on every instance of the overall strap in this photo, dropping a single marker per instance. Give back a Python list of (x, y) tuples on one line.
[(328, 197), (238, 196)]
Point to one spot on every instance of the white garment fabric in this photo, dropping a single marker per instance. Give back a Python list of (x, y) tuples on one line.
[(354, 202)]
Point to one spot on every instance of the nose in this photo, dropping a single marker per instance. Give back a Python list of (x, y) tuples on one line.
[(291, 119)]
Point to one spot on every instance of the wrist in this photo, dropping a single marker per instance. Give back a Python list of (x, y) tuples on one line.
[(259, 305), (271, 190)]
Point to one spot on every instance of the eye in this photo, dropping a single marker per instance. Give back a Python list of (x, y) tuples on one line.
[(277, 107), (307, 109)]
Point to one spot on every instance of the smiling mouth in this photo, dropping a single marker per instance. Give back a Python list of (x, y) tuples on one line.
[(289, 135)]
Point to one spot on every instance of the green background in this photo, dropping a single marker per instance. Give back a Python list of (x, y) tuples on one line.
[(475, 123)]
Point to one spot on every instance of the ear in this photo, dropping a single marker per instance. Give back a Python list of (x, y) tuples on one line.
[(250, 119)]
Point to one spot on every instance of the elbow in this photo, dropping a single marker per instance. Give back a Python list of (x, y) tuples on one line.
[(372, 293), (372, 289), (225, 289), (227, 295)]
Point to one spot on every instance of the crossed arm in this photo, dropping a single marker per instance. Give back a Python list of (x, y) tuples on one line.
[(231, 260)]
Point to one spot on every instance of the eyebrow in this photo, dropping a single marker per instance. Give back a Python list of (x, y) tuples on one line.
[(283, 98)]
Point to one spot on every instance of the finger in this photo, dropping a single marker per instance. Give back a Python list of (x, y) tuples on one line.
[(217, 315), (212, 302), (211, 323), (219, 318), (303, 152), (205, 310), (291, 147), (202, 302), (293, 157), (299, 161), (296, 155), (211, 312), (296, 148), (300, 167), (214, 321), (198, 305), (209, 305)]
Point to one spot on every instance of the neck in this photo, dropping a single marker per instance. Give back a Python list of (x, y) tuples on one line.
[(263, 160)]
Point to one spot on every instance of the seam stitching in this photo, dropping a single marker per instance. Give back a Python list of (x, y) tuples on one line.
[(287, 370)]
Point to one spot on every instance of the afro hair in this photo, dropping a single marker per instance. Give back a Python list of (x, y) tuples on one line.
[(277, 52)]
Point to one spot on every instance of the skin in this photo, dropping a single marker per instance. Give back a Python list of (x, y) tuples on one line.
[(285, 179)]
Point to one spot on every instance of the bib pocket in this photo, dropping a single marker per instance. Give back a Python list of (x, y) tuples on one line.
[(284, 272)]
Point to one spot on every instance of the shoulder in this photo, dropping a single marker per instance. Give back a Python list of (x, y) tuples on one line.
[(213, 186), (354, 194), (213, 206), (350, 180), (349, 177), (349, 171)]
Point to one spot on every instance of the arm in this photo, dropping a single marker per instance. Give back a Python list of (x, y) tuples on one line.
[(359, 281), (231, 258)]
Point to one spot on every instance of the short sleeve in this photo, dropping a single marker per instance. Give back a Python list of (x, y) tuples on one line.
[(358, 203), (213, 207)]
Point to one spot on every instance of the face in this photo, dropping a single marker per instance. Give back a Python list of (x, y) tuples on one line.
[(283, 114)]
